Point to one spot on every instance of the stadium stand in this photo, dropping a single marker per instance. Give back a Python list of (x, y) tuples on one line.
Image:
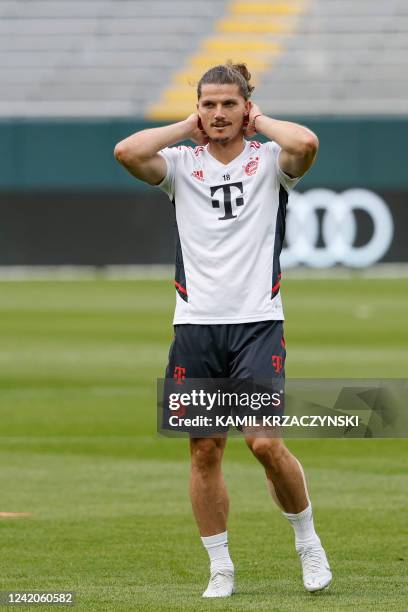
[(72, 58), (347, 57), (94, 57)]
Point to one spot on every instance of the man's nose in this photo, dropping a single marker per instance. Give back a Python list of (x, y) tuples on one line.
[(219, 111)]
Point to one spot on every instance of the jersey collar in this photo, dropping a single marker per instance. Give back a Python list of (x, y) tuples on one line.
[(244, 150)]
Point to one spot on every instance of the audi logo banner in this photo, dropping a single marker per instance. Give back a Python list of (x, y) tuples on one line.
[(323, 228)]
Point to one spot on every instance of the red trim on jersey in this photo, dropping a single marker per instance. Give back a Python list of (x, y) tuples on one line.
[(277, 284), (255, 144), (180, 287)]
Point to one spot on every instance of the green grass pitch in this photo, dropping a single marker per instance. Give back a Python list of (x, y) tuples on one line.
[(110, 512)]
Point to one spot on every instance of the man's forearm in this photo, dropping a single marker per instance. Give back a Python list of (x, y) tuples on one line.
[(145, 144), (291, 137)]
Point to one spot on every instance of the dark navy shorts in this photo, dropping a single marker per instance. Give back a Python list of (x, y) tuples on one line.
[(249, 357), (243, 350)]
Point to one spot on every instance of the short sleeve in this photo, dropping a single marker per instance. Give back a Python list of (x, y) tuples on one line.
[(171, 156), (286, 181)]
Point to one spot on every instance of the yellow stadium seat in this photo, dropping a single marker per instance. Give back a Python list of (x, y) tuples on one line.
[(163, 112), (255, 26), (242, 45), (180, 94), (268, 8), (206, 60)]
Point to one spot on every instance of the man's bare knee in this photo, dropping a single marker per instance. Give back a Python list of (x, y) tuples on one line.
[(269, 451), (206, 453)]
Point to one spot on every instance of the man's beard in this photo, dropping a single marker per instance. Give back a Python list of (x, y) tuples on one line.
[(221, 139), (225, 139)]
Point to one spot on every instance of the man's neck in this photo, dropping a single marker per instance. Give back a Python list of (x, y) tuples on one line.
[(226, 152)]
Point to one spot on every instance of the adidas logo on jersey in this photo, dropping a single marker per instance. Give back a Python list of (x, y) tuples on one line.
[(198, 174)]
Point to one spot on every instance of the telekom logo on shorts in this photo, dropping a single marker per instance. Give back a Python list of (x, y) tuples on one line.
[(277, 363), (179, 375)]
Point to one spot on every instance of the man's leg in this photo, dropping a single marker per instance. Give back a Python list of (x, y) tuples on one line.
[(209, 500), (283, 471), (287, 485), (208, 492)]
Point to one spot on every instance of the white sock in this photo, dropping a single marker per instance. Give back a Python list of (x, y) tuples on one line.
[(217, 548), (303, 526)]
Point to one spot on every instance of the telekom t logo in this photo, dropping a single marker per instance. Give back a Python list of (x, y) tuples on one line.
[(227, 190), (179, 375), (277, 363)]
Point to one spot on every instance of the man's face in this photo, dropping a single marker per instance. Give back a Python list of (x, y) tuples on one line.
[(222, 110)]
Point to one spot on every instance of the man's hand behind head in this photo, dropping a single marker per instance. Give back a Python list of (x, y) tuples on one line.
[(253, 112), (196, 133)]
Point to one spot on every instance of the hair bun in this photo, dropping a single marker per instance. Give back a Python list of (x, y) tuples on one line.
[(243, 70)]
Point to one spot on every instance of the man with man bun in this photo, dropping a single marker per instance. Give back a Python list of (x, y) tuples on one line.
[(230, 195)]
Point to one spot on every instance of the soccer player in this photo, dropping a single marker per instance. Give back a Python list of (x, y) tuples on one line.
[(230, 196)]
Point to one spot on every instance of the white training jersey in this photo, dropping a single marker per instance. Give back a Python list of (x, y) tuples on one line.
[(230, 223)]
